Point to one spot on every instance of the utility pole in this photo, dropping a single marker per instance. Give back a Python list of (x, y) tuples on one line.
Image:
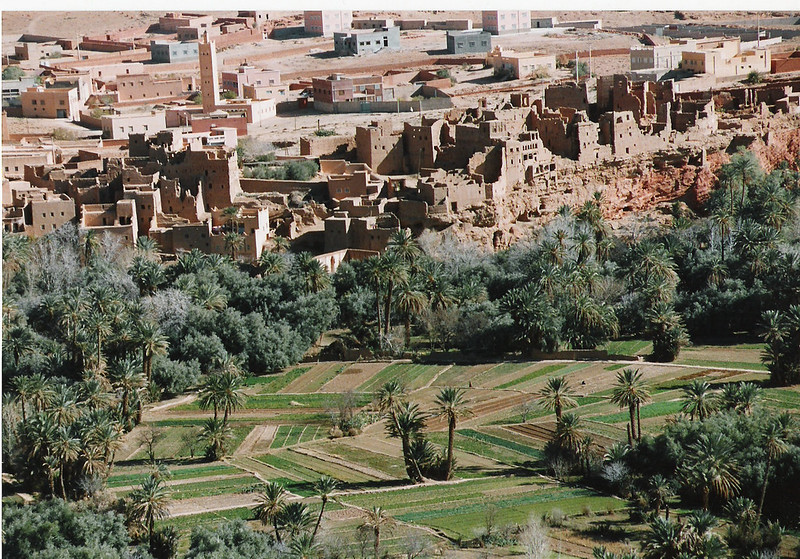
[(590, 61), (758, 29), (576, 65)]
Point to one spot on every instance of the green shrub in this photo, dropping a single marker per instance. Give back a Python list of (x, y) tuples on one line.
[(324, 132)]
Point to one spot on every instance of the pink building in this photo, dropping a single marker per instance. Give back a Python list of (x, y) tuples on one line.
[(502, 22), (327, 22), (249, 76)]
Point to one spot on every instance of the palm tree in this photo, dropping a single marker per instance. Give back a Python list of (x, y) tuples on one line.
[(280, 244), (699, 400), (374, 270), (270, 503), (231, 214), (585, 452), (152, 342), (323, 488), (41, 391), (19, 341), (407, 424), (271, 263), (664, 540), (63, 408), (229, 393), (304, 547), (100, 325), (150, 502), (659, 490), (724, 222), (632, 392), (377, 520), (395, 272), (709, 467), (557, 395), (312, 274), (210, 296), (774, 443), (568, 435), (450, 404), (147, 247), (295, 518), (72, 308), (222, 391), (216, 434), (23, 389), (90, 245), (233, 243), (126, 378), (403, 244), (65, 448), (409, 302)]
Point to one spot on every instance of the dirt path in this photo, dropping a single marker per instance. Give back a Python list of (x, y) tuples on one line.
[(324, 456), (261, 435), (178, 482), (172, 403), (435, 378)]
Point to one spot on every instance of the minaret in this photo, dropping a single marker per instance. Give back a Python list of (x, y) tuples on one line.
[(209, 80)]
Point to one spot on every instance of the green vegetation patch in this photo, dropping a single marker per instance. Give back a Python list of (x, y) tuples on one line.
[(121, 480), (546, 370), (288, 435), (501, 442), (406, 373), (274, 383), (656, 409)]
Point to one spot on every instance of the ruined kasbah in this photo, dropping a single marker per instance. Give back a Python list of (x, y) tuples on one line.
[(234, 132)]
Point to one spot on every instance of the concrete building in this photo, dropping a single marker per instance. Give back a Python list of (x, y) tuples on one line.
[(502, 22), (171, 21), (543, 22), (118, 127), (327, 22), (724, 58), (468, 42), (366, 42), (262, 82), (167, 52), (51, 102), (144, 87), (372, 23), (339, 88), (519, 64), (12, 89)]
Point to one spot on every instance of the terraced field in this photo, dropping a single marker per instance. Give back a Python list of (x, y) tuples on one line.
[(282, 434)]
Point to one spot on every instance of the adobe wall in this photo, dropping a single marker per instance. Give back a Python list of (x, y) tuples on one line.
[(567, 95), (379, 148), (260, 186), (320, 146)]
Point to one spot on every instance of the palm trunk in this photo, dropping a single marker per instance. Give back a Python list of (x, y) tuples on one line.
[(22, 402), (377, 541), (764, 487), (451, 429), (277, 532), (388, 307), (706, 494), (378, 309), (215, 411), (99, 343), (144, 361), (125, 410), (558, 413), (225, 417), (319, 519), (150, 526), (632, 411), (408, 330), (61, 480), (638, 423)]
